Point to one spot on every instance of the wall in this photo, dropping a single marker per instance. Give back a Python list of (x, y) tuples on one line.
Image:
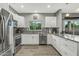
[(29, 16)]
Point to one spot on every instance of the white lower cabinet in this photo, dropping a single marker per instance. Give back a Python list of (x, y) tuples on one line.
[(30, 39), (64, 46), (49, 39)]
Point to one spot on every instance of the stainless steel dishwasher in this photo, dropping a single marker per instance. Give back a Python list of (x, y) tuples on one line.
[(42, 39)]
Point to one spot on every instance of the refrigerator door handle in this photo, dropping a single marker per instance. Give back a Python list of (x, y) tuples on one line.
[(8, 19), (2, 23), (3, 28), (2, 31)]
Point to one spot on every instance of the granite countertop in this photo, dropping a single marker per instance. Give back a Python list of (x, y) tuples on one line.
[(72, 37)]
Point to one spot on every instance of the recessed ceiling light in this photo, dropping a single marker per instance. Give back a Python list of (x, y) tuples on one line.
[(67, 15), (48, 6), (22, 6), (35, 11), (77, 9)]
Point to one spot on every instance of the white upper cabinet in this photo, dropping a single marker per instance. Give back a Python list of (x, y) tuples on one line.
[(50, 22), (20, 20)]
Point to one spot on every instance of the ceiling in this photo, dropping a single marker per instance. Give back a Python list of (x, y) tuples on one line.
[(42, 7)]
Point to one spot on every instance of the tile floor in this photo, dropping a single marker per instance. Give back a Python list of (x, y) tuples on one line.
[(41, 50)]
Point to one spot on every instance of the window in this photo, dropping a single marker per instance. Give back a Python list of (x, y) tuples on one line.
[(35, 25)]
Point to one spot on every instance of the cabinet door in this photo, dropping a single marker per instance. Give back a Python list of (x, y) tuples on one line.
[(49, 39), (54, 41), (50, 21), (20, 20), (21, 23), (68, 47), (64, 46), (71, 46), (58, 43), (30, 39), (35, 39), (26, 39)]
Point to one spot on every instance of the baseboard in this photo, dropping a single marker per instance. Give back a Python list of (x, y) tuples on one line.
[(42, 44), (30, 44), (33, 44)]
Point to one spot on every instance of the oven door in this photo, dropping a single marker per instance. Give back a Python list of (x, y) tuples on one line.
[(17, 41)]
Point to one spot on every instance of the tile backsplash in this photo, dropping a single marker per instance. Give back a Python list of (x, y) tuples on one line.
[(43, 31)]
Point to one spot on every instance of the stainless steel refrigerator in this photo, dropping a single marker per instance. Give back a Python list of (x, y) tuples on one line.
[(5, 22)]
